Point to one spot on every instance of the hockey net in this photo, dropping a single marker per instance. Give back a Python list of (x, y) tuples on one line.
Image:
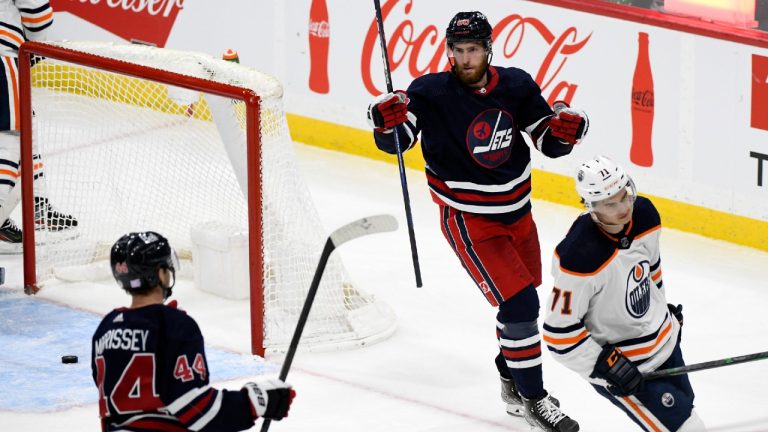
[(124, 150)]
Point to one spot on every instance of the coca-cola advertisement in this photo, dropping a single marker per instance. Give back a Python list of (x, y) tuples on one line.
[(141, 21), (641, 150), (418, 47), (319, 41), (660, 113)]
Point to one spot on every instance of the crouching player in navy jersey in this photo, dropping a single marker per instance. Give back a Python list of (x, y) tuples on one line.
[(149, 362), (471, 120), (607, 316)]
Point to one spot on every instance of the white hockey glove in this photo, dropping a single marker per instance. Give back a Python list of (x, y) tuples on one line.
[(569, 125), (388, 110), (270, 399)]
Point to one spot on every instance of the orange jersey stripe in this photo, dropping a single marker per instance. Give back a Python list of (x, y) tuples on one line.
[(567, 340), (641, 414), (9, 173), (645, 350), (45, 17), (13, 36), (657, 276), (570, 272), (15, 84), (642, 234)]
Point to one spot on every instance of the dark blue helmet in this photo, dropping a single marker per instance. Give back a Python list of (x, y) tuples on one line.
[(469, 26), (137, 257)]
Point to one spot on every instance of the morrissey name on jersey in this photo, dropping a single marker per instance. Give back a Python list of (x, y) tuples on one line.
[(122, 339)]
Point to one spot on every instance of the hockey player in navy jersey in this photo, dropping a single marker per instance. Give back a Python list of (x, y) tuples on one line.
[(607, 316), (149, 362), (478, 166), (20, 20)]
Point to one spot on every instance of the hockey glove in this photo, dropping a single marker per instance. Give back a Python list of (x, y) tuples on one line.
[(568, 125), (676, 311), (269, 399), (623, 377), (388, 110)]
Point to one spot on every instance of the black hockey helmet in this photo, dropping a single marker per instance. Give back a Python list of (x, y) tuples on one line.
[(469, 26), (136, 258)]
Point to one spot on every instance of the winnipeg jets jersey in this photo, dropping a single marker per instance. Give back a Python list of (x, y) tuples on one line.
[(22, 20), (608, 289), (477, 160), (150, 368)]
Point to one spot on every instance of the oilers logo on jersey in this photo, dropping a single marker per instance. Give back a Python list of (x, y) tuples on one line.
[(638, 299), (490, 137)]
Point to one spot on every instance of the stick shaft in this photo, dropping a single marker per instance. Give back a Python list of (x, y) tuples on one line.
[(400, 162), (358, 228), (705, 365)]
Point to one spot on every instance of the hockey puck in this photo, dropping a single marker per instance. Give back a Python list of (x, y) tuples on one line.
[(69, 359)]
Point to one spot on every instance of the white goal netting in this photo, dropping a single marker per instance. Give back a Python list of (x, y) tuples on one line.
[(123, 153)]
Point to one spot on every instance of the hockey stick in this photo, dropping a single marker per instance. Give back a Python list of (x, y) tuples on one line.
[(705, 365), (400, 163), (351, 231)]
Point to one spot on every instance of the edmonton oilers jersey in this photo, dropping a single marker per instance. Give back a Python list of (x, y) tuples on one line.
[(608, 289), (152, 375), (476, 158)]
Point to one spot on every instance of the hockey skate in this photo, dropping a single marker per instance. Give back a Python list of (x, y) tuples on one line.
[(49, 219), (10, 238), (542, 413), (512, 398)]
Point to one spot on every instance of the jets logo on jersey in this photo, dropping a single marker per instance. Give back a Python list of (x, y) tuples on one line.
[(638, 298), (490, 137)]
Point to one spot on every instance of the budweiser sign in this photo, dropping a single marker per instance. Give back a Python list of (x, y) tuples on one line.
[(146, 21), (420, 48)]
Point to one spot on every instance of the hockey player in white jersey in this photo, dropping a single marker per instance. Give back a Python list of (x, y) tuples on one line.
[(607, 317), (20, 20)]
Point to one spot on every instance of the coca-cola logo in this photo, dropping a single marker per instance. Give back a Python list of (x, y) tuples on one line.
[(422, 48), (319, 29), (147, 21), (643, 98)]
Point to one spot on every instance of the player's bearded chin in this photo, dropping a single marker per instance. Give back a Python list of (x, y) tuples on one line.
[(469, 77)]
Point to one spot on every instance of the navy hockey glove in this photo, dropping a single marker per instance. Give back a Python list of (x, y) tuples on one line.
[(623, 377), (388, 110), (568, 125), (676, 311), (270, 399)]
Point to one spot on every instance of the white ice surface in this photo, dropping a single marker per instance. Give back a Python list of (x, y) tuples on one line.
[(436, 373)]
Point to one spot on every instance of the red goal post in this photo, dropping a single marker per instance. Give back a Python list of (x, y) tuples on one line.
[(280, 262), (248, 96)]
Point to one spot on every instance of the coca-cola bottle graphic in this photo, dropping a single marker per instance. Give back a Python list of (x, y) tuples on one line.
[(641, 152), (319, 33)]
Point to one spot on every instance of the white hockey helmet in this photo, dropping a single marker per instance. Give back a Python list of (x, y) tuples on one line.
[(601, 178)]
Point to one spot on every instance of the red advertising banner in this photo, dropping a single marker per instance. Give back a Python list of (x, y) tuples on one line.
[(759, 92), (146, 21)]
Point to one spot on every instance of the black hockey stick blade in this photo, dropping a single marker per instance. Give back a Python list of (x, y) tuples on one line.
[(705, 365), (361, 227)]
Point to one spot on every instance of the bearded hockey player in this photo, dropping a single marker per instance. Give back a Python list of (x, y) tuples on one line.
[(478, 166)]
